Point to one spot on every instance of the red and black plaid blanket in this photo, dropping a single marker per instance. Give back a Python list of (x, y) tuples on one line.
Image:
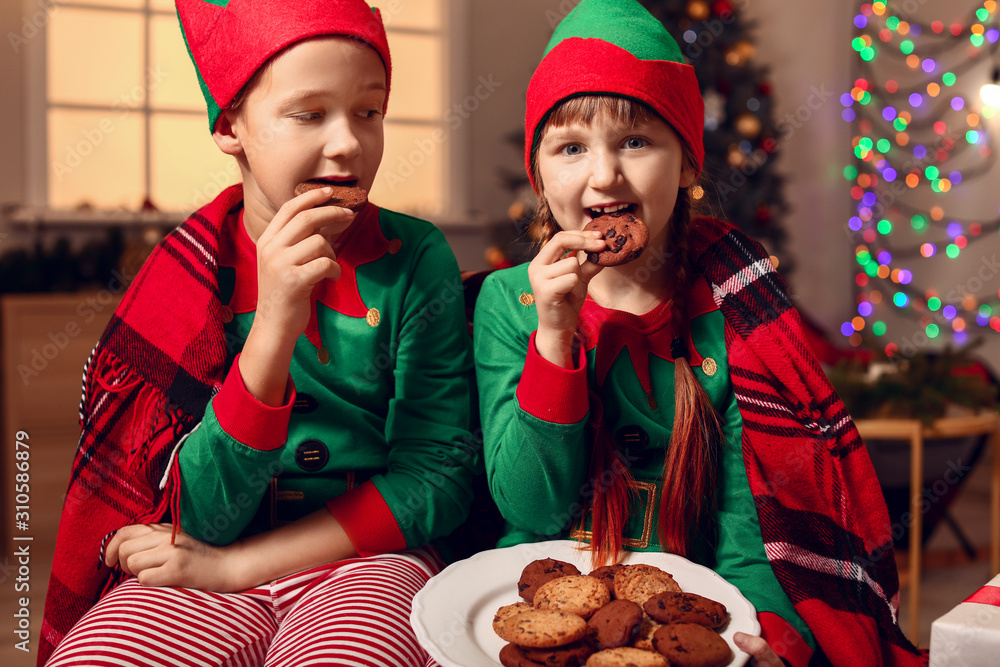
[(822, 515), (146, 384)]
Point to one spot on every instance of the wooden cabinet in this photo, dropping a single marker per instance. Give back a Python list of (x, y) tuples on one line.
[(45, 341)]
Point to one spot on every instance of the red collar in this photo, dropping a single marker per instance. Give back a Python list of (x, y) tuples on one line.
[(611, 330), (361, 243)]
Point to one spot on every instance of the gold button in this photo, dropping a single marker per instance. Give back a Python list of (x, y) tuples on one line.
[(373, 317), (394, 246), (227, 314), (323, 355), (526, 299), (709, 367)]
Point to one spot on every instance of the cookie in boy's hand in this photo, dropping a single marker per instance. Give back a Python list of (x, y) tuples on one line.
[(541, 571), (626, 237), (343, 196)]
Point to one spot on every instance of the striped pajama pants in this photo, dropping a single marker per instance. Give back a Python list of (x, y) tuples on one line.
[(353, 612)]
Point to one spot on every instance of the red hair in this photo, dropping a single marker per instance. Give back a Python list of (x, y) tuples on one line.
[(687, 493)]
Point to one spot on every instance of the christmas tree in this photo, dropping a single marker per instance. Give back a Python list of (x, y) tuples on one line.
[(740, 183)]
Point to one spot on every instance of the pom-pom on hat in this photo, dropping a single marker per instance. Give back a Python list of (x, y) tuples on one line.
[(229, 40), (616, 47)]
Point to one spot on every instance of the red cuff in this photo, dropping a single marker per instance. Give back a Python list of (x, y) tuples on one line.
[(784, 639), (367, 520), (550, 392), (242, 416)]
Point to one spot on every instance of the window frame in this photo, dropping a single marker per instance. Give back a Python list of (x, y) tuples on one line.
[(456, 182)]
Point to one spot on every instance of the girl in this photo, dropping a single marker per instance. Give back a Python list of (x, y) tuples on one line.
[(670, 403), (276, 421)]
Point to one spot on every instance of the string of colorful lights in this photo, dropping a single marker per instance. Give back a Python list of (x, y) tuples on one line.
[(918, 138)]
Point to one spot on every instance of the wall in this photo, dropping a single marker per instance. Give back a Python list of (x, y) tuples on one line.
[(806, 45)]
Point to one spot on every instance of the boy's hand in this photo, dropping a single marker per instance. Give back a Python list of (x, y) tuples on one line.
[(145, 552), (294, 253), (559, 283)]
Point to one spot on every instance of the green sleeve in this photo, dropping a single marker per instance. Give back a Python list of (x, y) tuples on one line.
[(536, 469), (739, 556), (432, 455), (223, 483)]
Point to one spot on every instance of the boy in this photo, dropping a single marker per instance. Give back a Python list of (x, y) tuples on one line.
[(259, 467)]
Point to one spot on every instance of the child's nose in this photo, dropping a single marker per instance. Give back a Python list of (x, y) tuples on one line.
[(341, 140), (606, 172)]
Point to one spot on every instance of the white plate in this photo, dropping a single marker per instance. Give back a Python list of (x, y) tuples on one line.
[(453, 614)]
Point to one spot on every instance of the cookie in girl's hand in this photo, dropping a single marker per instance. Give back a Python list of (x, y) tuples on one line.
[(343, 196), (626, 237)]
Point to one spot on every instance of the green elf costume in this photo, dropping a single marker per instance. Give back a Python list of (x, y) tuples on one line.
[(800, 526), (376, 427)]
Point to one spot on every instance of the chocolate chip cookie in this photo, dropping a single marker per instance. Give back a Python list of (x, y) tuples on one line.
[(640, 582), (674, 607), (544, 628), (541, 571), (627, 657), (690, 645), (343, 196), (575, 594), (626, 237), (615, 624)]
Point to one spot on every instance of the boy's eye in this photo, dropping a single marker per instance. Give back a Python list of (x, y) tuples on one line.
[(306, 116), (370, 113), (572, 149), (635, 143)]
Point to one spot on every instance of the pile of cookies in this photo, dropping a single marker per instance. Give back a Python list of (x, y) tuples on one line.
[(634, 615)]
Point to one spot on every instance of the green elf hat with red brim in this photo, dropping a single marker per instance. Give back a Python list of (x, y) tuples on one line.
[(229, 40), (616, 47)]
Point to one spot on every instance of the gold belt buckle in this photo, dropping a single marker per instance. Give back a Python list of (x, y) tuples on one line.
[(578, 533)]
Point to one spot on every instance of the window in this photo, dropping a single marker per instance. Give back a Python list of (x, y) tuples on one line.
[(124, 119)]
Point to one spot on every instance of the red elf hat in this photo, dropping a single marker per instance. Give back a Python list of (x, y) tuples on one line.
[(229, 40), (615, 47)]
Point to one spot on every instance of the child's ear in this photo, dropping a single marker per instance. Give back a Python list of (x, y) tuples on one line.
[(225, 134), (687, 176)]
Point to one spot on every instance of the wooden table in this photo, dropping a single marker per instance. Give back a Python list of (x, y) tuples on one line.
[(916, 433)]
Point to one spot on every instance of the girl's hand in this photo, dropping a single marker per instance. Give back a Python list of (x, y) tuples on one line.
[(559, 282), (144, 551), (294, 253), (758, 649)]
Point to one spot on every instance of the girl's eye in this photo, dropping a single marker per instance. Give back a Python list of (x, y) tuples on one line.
[(306, 116), (370, 113), (635, 143), (572, 149)]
